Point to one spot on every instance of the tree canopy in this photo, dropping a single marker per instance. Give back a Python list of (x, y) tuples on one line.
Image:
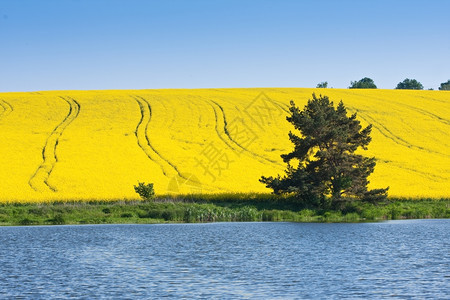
[(365, 83), (409, 84), (323, 85), (445, 86), (323, 168)]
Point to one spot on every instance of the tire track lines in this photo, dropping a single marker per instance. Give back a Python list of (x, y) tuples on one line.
[(199, 112), (144, 141), (167, 167), (143, 138), (217, 129), (260, 158), (191, 100), (166, 115), (39, 180), (7, 108), (413, 108), (428, 98), (404, 105), (430, 114), (399, 104), (429, 176), (283, 106), (390, 135)]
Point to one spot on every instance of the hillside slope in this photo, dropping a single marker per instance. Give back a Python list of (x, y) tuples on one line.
[(98, 144)]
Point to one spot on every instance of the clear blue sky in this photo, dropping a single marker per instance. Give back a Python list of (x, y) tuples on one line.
[(111, 44)]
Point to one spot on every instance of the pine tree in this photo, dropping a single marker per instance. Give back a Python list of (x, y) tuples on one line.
[(323, 167)]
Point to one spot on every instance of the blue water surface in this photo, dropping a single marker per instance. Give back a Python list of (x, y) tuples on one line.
[(395, 259)]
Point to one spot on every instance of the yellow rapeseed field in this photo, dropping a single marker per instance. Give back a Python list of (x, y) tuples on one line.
[(63, 145)]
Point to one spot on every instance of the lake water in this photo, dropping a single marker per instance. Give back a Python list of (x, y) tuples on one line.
[(396, 259)]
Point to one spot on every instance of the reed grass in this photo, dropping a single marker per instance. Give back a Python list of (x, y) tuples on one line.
[(214, 208)]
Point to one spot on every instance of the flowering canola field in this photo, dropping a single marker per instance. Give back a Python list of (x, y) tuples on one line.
[(63, 145)]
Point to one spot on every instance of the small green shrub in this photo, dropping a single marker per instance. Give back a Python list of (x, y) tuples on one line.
[(145, 190), (332, 216), (395, 213), (168, 215), (58, 220), (150, 214), (248, 213), (271, 215), (126, 215), (371, 213), (27, 221), (39, 211), (307, 213), (351, 217), (441, 211)]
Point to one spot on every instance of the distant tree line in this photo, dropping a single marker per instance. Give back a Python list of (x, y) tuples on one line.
[(445, 86), (407, 84)]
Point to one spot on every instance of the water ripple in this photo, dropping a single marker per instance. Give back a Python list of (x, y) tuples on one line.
[(398, 259)]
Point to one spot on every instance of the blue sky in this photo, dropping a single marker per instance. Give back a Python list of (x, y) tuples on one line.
[(110, 44)]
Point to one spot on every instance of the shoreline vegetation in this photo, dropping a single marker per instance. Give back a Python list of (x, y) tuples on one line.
[(202, 208)]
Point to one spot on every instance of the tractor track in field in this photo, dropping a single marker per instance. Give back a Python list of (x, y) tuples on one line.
[(39, 179), (413, 108), (417, 109), (7, 108), (430, 114), (143, 139), (195, 108), (200, 121), (171, 111), (145, 144), (260, 158), (429, 99), (280, 105), (217, 129), (428, 176), (390, 135), (168, 111)]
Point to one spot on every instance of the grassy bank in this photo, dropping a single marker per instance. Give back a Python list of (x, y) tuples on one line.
[(214, 208)]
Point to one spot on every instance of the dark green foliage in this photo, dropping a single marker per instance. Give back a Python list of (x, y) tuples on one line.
[(445, 86), (409, 84), (215, 208), (322, 85), (145, 190), (213, 213), (326, 170), (151, 214), (27, 221), (58, 220), (126, 215), (40, 211), (271, 215), (365, 83)]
